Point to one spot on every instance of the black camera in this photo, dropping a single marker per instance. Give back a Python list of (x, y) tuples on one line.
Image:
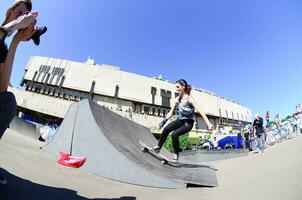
[(40, 31), (36, 36)]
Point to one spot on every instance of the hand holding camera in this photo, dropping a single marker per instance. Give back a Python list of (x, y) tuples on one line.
[(24, 22)]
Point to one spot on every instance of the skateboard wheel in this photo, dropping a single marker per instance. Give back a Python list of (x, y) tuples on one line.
[(163, 162), (144, 149)]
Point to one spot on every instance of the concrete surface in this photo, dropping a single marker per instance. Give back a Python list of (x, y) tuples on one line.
[(33, 174)]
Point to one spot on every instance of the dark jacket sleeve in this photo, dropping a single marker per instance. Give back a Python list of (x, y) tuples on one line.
[(3, 51)]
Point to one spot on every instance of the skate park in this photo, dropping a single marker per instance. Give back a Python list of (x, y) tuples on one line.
[(98, 77), (253, 175)]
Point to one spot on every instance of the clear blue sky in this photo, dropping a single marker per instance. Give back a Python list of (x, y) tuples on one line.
[(249, 51)]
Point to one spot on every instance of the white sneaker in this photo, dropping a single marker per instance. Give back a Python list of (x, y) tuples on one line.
[(156, 149), (175, 157)]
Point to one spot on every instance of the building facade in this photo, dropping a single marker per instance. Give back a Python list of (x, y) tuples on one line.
[(145, 99)]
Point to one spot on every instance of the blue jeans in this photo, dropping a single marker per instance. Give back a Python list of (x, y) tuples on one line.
[(267, 123), (260, 142), (8, 107)]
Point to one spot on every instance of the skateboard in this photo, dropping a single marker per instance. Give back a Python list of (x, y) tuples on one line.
[(163, 159)]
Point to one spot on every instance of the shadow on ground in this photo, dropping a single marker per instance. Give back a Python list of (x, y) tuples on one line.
[(18, 188)]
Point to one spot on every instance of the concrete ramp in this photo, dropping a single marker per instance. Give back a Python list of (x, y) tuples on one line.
[(110, 143), (25, 128)]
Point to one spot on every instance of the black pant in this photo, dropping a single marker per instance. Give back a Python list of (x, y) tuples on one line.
[(8, 107), (179, 127)]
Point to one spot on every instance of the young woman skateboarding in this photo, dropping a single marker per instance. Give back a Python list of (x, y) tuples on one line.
[(185, 119)]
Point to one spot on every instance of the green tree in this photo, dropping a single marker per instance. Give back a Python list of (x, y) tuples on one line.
[(286, 118), (184, 143)]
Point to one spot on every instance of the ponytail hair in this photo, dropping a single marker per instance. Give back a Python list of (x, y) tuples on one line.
[(185, 84), (188, 89)]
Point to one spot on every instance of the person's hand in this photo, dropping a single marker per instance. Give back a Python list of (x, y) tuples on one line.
[(25, 34), (24, 21), (162, 123)]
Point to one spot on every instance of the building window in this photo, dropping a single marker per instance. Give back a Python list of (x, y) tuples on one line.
[(54, 71), (46, 90), (51, 91), (35, 75), (153, 93), (61, 71), (48, 69), (38, 77), (56, 93), (43, 78), (153, 90), (166, 96), (41, 68), (66, 96), (47, 78), (57, 81), (146, 109), (169, 94), (42, 90), (51, 79), (165, 102), (62, 94), (62, 81)]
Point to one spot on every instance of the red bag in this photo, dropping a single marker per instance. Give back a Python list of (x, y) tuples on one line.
[(71, 161)]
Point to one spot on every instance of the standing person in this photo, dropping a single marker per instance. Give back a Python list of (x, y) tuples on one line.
[(298, 109), (277, 121), (259, 132), (295, 124), (26, 25), (252, 139), (185, 120), (247, 138), (267, 119), (215, 143)]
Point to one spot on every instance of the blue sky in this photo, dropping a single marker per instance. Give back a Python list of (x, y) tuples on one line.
[(249, 51)]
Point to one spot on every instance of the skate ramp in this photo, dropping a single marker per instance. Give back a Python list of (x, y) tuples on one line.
[(25, 128), (199, 156), (110, 143)]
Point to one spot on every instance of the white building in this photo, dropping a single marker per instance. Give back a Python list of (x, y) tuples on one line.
[(51, 85)]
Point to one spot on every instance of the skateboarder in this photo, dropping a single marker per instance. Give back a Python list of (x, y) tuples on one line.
[(184, 122), (25, 24)]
